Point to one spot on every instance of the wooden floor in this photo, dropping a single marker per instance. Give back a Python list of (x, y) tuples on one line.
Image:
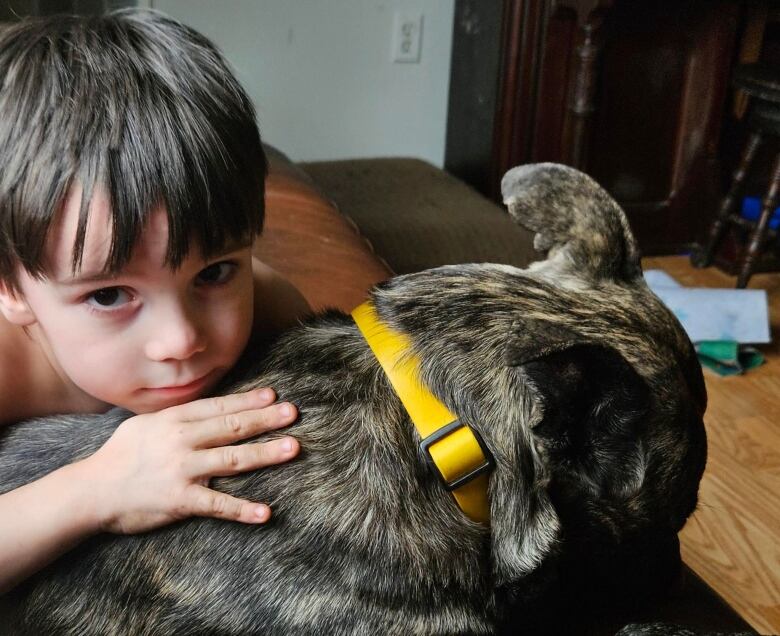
[(733, 539)]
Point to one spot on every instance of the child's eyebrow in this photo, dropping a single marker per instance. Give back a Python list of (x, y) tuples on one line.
[(234, 246), (101, 277), (92, 277)]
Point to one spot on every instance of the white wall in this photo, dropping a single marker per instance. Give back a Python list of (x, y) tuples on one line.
[(321, 76)]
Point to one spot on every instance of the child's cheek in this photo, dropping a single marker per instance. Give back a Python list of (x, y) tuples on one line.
[(235, 325)]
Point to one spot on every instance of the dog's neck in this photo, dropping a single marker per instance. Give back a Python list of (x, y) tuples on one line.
[(456, 452)]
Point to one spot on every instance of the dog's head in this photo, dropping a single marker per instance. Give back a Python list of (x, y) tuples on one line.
[(616, 451), (616, 438), (582, 383), (614, 464), (615, 461)]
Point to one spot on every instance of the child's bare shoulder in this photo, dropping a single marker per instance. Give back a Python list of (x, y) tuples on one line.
[(278, 303), (29, 386), (15, 372)]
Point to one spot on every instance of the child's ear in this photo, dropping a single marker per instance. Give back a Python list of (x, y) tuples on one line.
[(14, 307)]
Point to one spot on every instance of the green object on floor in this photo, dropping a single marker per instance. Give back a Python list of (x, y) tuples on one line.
[(727, 357)]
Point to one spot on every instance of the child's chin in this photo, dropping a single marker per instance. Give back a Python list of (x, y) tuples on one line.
[(153, 400), (153, 406)]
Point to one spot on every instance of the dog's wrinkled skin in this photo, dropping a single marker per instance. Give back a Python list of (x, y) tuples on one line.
[(583, 386)]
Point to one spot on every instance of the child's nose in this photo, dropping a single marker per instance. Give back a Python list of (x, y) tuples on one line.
[(176, 336)]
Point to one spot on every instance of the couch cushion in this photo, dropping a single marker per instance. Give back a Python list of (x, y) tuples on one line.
[(310, 243), (418, 216)]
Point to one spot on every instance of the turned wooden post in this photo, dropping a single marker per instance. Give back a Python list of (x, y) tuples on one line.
[(759, 234), (704, 259), (582, 88)]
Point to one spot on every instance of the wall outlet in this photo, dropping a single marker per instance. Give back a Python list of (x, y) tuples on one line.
[(407, 37)]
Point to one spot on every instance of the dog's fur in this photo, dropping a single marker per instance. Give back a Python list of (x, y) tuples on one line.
[(583, 385)]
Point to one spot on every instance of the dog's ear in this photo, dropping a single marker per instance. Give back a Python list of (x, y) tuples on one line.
[(573, 215), (524, 524), (588, 406), (594, 407)]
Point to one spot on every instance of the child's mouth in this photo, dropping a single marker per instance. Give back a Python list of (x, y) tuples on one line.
[(183, 389)]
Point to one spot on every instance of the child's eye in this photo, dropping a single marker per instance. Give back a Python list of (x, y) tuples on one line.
[(217, 273), (108, 298)]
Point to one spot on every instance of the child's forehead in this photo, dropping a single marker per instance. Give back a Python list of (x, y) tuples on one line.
[(150, 247), (149, 251)]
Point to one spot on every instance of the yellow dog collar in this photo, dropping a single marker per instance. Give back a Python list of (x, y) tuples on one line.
[(458, 453)]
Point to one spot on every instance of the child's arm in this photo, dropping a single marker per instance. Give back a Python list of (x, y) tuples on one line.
[(152, 471)]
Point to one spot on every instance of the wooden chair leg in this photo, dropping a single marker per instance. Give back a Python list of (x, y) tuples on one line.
[(704, 258), (759, 234)]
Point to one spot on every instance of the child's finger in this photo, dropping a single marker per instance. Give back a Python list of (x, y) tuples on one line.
[(231, 460), (231, 427), (222, 405), (210, 503)]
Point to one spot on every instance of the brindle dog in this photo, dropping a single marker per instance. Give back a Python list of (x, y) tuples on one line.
[(583, 385)]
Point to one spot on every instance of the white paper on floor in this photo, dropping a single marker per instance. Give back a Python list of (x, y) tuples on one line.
[(741, 315)]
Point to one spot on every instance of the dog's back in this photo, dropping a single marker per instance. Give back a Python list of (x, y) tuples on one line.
[(354, 543)]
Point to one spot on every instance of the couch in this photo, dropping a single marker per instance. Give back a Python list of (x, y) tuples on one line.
[(337, 228)]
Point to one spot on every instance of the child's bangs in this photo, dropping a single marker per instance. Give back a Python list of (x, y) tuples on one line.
[(210, 185), (175, 128)]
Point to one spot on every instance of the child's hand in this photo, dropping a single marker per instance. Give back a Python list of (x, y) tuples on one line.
[(155, 468)]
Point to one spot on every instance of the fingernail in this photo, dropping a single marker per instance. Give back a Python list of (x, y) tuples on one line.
[(265, 394), (287, 445), (285, 409), (262, 512)]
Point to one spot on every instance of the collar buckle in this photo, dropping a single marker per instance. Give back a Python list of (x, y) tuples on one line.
[(453, 484)]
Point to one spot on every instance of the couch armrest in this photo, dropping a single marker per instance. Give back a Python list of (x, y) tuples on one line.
[(309, 242)]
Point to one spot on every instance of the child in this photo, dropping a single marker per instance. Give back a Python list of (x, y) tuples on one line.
[(131, 189)]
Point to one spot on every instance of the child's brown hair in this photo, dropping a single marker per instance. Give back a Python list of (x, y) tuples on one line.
[(136, 103)]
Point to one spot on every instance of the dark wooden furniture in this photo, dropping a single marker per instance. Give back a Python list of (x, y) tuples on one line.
[(631, 92), (563, 86), (762, 85)]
